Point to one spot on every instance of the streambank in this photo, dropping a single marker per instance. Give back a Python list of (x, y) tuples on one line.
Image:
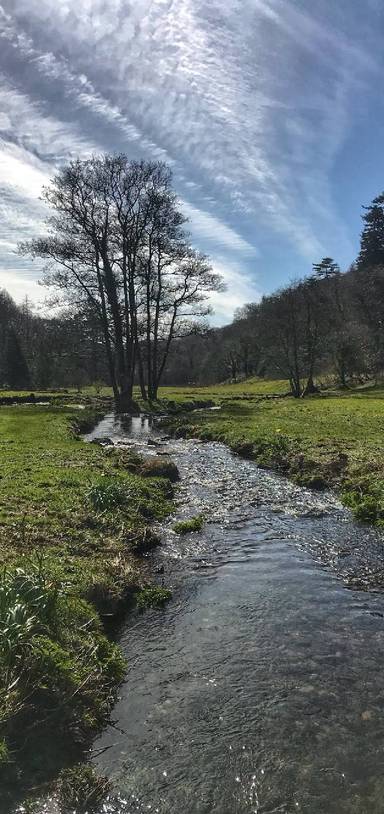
[(75, 522), (323, 444), (260, 686), (162, 406), (247, 513)]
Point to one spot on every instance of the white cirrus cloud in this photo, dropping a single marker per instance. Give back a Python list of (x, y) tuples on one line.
[(250, 102), (211, 230)]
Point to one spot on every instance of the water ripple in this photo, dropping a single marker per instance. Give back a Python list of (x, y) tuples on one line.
[(260, 688)]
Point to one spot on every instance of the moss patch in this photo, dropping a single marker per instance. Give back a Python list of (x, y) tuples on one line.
[(152, 596), (190, 525)]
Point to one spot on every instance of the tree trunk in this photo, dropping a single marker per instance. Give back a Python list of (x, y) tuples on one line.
[(158, 371), (295, 387), (342, 370), (105, 328), (124, 403), (310, 387), (124, 370), (143, 390)]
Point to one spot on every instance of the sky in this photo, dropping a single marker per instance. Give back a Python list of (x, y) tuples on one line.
[(270, 113)]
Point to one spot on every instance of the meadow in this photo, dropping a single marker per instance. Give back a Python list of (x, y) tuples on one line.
[(75, 519)]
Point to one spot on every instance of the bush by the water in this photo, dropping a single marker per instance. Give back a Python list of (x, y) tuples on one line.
[(365, 503), (28, 608)]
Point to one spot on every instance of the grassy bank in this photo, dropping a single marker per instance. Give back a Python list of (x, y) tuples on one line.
[(333, 439), (74, 519), (179, 395)]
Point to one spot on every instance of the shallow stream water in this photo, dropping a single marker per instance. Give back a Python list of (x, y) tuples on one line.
[(260, 687)]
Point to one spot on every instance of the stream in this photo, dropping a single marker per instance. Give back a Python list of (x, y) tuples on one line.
[(260, 686)]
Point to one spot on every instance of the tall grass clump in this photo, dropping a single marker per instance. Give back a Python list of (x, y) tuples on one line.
[(28, 607), (107, 494), (58, 671), (82, 789)]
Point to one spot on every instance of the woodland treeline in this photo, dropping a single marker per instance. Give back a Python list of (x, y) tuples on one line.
[(43, 353), (133, 296), (327, 326)]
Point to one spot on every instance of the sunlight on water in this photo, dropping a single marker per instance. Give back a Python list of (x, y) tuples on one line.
[(260, 688)]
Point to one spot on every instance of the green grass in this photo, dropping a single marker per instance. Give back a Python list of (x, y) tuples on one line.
[(254, 386), (247, 389), (244, 389), (304, 438), (73, 518), (187, 526), (152, 597), (52, 488)]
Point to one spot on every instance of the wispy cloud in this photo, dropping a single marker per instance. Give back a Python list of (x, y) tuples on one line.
[(215, 232), (250, 102)]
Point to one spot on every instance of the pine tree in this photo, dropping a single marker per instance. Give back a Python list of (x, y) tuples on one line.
[(372, 237), (16, 372), (326, 268)]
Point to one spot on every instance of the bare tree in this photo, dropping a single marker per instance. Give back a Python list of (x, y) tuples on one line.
[(116, 243), (281, 328), (176, 284)]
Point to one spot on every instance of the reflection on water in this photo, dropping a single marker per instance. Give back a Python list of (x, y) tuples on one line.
[(121, 426), (260, 688)]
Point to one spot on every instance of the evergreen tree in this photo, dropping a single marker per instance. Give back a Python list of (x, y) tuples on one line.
[(372, 237), (326, 268), (16, 373)]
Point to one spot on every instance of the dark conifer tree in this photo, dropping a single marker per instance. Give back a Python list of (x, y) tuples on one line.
[(326, 268), (16, 372), (372, 237)]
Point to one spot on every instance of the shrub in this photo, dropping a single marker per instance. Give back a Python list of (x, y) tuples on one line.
[(272, 453), (244, 448), (366, 505), (4, 752), (144, 541), (52, 668), (57, 668), (207, 435), (181, 431), (312, 481)]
